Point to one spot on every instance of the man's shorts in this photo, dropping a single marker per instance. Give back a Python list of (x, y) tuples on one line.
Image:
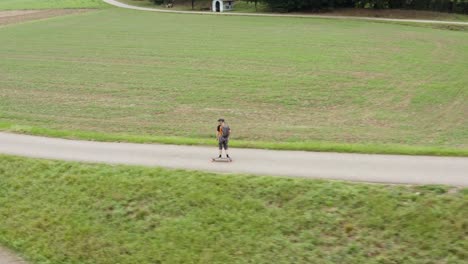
[(223, 143)]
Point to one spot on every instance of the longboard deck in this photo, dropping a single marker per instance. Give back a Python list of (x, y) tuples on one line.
[(221, 160)]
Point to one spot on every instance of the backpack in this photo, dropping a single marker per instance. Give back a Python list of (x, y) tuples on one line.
[(225, 131)]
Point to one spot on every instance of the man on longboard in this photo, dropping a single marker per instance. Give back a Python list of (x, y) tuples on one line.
[(222, 134)]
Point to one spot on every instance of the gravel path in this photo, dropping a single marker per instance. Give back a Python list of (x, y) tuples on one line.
[(391, 169), (122, 5)]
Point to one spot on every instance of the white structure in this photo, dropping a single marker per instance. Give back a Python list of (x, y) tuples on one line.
[(222, 5)]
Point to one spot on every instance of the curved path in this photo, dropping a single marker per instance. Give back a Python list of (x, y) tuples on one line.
[(339, 166), (122, 5), (6, 257)]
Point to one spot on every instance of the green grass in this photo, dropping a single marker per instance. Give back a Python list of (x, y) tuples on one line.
[(177, 6), (283, 80), (50, 4), (240, 6), (62, 212)]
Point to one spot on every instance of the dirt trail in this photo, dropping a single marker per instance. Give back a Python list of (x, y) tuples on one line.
[(18, 16)]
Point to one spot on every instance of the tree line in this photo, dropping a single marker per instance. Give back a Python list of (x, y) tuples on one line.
[(452, 6)]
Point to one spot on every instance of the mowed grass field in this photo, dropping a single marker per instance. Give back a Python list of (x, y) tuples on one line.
[(61, 212), (299, 83), (50, 4)]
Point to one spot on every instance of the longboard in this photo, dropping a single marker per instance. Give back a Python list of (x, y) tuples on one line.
[(221, 160)]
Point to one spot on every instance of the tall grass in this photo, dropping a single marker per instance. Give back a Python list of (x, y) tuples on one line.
[(62, 212)]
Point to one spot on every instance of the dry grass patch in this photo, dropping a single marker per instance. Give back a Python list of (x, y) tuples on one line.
[(18, 16)]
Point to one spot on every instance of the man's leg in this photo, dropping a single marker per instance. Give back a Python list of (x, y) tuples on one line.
[(220, 143), (226, 147)]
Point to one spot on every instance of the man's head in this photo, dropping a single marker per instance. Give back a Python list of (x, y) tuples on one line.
[(220, 121)]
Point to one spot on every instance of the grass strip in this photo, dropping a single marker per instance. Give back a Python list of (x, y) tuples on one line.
[(299, 146)]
